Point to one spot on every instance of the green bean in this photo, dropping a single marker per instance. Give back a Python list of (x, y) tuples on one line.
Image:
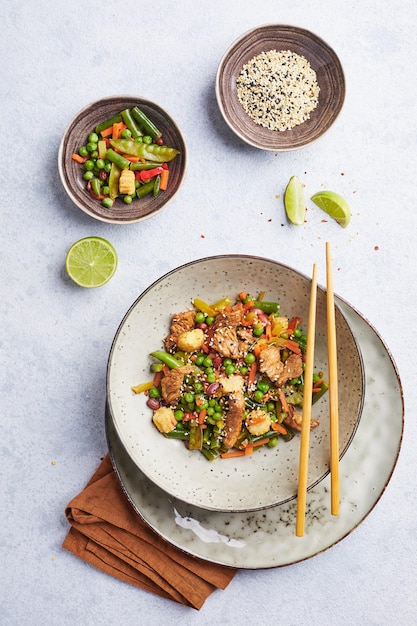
[(148, 165), (131, 124), (108, 123), (323, 388), (177, 434), (143, 190), (196, 436), (166, 358), (117, 158), (144, 121), (266, 307)]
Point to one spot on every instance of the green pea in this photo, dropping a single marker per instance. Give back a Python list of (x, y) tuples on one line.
[(93, 138), (200, 317), (258, 396), (211, 378), (199, 359), (273, 442), (154, 392), (270, 407), (107, 202), (210, 410), (89, 165), (107, 166), (147, 139), (198, 387), (138, 139), (88, 175), (250, 358), (230, 369), (91, 146), (217, 416), (295, 381), (209, 320), (179, 415), (127, 199), (189, 397), (227, 362), (94, 154), (83, 151), (298, 332), (126, 134), (106, 190), (208, 361), (243, 370), (258, 331), (157, 367), (100, 164), (263, 386)]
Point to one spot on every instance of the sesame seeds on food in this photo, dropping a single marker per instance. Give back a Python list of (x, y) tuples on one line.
[(278, 89)]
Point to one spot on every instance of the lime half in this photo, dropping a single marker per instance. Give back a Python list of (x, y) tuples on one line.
[(91, 262), (334, 205), (294, 201)]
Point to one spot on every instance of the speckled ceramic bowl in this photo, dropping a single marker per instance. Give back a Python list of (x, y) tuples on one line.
[(269, 476), (323, 60), (71, 172)]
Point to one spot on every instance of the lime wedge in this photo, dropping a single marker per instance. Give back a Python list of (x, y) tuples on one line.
[(334, 205), (91, 262), (294, 201)]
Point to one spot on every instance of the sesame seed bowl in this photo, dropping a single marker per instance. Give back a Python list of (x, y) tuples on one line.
[(269, 475), (280, 87)]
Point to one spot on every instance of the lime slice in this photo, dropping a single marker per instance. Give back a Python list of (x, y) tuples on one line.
[(294, 201), (334, 205), (91, 262)]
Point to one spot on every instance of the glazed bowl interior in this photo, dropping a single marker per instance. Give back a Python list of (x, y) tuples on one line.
[(269, 476), (323, 60), (71, 172)]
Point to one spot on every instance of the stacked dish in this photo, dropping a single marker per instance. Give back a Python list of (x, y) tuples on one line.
[(241, 511)]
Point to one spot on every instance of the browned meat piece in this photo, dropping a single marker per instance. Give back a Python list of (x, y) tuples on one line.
[(180, 323), (225, 338), (294, 420), (270, 363), (234, 416), (293, 368), (172, 382), (226, 342)]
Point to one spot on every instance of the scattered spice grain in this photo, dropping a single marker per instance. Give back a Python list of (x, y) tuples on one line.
[(278, 89)]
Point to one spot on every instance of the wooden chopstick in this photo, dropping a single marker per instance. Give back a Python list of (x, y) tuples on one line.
[(333, 387), (306, 421)]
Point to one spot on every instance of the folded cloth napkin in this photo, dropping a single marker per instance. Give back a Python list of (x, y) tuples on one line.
[(107, 533)]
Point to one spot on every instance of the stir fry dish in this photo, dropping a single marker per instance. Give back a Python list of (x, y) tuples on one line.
[(125, 157), (230, 378)]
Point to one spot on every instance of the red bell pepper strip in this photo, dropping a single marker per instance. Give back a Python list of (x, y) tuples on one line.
[(148, 174)]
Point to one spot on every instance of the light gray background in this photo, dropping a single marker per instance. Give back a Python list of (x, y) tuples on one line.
[(55, 58)]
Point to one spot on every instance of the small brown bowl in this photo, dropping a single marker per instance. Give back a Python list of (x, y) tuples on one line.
[(71, 172), (323, 61)]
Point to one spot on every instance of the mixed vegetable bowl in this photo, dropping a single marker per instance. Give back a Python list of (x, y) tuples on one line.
[(230, 377)]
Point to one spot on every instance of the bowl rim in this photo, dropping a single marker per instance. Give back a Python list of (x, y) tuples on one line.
[(220, 69), (218, 257), (61, 156)]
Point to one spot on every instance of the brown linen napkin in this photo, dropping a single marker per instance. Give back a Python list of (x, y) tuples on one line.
[(107, 533)]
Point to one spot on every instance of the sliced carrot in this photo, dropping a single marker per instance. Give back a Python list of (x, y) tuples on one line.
[(78, 158), (163, 183), (157, 378), (202, 416), (293, 346), (131, 158), (249, 449), (283, 401), (107, 132), (252, 373), (117, 129), (243, 295), (261, 442), (279, 428), (232, 453)]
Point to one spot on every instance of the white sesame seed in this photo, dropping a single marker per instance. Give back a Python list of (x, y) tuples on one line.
[(278, 90)]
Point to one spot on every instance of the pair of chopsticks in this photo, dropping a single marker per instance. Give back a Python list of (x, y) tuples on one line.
[(333, 398)]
